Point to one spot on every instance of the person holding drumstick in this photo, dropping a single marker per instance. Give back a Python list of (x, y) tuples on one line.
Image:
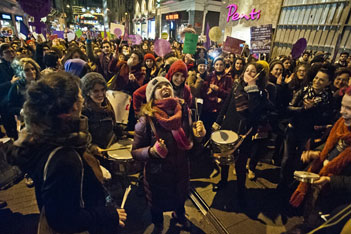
[(241, 111), (163, 135), (52, 149)]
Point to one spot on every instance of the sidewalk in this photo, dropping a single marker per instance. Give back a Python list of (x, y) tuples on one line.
[(262, 214)]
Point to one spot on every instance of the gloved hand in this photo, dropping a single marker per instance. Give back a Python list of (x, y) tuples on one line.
[(159, 149)]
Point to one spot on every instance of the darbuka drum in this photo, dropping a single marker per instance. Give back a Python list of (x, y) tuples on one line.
[(223, 145), (121, 160), (307, 177)]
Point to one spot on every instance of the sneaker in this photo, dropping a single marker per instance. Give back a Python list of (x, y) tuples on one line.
[(182, 220), (28, 181), (251, 175)]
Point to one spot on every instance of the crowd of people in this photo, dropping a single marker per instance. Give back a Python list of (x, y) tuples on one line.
[(53, 104)]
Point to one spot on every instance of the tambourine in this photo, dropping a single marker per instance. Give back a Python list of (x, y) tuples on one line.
[(307, 177)]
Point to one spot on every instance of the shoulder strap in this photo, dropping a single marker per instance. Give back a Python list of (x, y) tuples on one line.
[(47, 162), (82, 174), (152, 125)]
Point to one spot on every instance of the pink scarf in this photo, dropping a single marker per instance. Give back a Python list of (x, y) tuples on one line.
[(172, 123)]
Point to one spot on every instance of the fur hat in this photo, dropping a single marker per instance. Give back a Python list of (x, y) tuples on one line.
[(151, 86), (149, 56), (177, 66)]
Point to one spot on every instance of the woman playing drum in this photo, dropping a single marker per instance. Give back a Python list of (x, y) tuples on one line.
[(241, 111), (163, 134)]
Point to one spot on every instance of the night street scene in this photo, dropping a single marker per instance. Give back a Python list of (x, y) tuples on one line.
[(175, 116)]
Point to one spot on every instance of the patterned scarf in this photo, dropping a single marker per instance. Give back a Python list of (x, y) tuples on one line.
[(241, 98), (321, 98)]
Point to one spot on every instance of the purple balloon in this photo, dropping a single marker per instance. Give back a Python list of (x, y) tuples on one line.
[(117, 32), (298, 48), (162, 47), (36, 8)]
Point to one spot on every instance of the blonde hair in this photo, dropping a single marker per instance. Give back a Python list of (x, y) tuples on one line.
[(147, 109), (18, 66)]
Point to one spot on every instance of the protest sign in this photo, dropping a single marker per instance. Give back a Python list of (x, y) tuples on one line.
[(261, 39), (233, 45), (190, 43)]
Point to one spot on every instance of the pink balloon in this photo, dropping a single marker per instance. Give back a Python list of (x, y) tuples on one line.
[(162, 47), (138, 39), (117, 32)]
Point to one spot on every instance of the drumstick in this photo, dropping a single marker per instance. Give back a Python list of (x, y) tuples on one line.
[(125, 196), (259, 73), (112, 149)]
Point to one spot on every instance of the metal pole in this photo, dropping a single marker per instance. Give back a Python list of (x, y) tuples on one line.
[(104, 6)]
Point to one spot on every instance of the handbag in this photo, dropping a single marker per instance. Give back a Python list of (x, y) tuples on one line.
[(43, 225)]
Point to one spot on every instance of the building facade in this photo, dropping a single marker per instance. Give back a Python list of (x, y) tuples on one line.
[(174, 16)]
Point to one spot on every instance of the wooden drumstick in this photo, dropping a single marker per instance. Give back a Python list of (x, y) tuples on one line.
[(112, 149), (125, 196)]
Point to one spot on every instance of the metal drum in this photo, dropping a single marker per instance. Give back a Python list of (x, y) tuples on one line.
[(223, 146), (120, 157), (307, 177)]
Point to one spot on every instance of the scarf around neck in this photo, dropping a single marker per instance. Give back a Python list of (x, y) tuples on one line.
[(173, 121)]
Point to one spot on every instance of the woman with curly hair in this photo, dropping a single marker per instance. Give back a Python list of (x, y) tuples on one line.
[(52, 149)]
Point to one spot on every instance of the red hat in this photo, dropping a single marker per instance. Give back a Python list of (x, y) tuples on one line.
[(149, 56), (177, 66)]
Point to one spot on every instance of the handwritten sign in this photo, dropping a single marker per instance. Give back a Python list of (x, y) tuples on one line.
[(236, 16), (232, 45), (261, 38)]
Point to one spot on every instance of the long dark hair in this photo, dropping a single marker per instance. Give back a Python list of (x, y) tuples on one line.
[(262, 78)]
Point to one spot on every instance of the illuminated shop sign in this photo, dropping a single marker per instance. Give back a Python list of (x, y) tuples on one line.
[(19, 18), (6, 16), (172, 17), (237, 16)]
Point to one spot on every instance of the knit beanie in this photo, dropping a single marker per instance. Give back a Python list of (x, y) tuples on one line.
[(201, 61), (149, 56), (75, 66), (151, 86), (177, 66), (89, 80)]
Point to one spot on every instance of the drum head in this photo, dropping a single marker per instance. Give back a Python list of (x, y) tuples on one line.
[(305, 176), (224, 137), (121, 154)]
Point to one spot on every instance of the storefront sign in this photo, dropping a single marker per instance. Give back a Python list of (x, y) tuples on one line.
[(261, 39), (236, 16), (172, 17), (19, 18), (6, 16), (233, 45)]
